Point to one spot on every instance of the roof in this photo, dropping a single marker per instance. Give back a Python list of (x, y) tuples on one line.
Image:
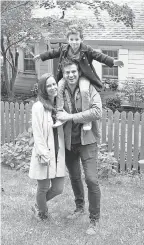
[(106, 29), (111, 29)]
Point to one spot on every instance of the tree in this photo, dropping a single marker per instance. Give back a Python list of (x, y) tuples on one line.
[(134, 92), (18, 27), (118, 13)]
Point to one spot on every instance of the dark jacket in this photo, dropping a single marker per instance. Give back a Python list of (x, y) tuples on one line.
[(87, 55)]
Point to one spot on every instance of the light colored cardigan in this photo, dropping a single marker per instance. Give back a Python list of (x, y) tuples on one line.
[(44, 145)]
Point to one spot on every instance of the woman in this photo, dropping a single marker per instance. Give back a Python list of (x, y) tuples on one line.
[(48, 156)]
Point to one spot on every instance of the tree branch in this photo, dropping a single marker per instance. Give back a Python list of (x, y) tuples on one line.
[(22, 4), (10, 52), (2, 43), (8, 61), (5, 8), (21, 39)]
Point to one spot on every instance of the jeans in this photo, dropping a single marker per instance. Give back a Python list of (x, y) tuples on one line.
[(46, 193), (88, 155), (84, 90)]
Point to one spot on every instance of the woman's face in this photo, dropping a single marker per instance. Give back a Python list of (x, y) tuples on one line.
[(51, 87)]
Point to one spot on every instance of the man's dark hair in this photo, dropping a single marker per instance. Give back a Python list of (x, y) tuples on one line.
[(67, 62)]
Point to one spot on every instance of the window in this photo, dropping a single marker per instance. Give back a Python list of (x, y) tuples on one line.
[(107, 72), (29, 64)]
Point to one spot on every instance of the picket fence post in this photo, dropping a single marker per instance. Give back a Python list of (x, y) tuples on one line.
[(12, 122), (2, 123), (122, 141), (17, 119), (129, 140), (110, 130), (142, 138), (116, 134)]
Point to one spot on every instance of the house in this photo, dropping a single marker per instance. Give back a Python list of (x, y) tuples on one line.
[(107, 36)]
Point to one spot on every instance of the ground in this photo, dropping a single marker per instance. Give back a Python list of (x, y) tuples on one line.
[(122, 214)]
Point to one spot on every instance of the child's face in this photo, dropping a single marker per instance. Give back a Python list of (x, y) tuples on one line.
[(74, 41)]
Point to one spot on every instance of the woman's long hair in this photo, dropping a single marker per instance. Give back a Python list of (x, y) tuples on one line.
[(42, 92)]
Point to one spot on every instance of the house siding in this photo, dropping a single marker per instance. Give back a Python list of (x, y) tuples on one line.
[(46, 66), (136, 64)]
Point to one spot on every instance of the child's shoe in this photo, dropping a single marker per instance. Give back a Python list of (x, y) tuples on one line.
[(58, 123), (87, 126)]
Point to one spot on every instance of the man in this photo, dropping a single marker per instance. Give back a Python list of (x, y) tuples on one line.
[(81, 144)]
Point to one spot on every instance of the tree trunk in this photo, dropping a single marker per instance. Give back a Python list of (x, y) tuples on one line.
[(6, 79), (14, 73)]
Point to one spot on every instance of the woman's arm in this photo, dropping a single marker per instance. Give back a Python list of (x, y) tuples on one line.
[(37, 126)]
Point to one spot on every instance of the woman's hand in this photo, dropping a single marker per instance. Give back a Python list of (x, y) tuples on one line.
[(64, 116), (43, 161)]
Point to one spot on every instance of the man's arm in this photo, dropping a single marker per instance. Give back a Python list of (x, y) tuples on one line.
[(54, 53), (94, 113)]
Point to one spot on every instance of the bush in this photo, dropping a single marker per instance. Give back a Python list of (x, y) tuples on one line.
[(35, 90), (113, 85), (134, 92), (107, 163), (114, 103), (17, 156)]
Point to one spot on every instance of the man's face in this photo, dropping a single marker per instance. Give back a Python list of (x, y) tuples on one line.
[(74, 41), (71, 74)]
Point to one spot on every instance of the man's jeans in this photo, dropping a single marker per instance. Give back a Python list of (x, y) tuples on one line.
[(88, 155)]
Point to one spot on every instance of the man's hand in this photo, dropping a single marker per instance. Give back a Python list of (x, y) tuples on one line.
[(118, 63), (37, 57), (64, 116)]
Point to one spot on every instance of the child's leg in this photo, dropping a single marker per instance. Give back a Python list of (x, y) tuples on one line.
[(60, 101), (84, 90)]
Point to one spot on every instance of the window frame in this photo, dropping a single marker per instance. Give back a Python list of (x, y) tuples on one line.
[(31, 59), (110, 77)]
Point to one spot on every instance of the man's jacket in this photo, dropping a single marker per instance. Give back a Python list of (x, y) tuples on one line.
[(87, 55), (92, 115)]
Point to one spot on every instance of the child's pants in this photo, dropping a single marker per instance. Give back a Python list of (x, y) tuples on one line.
[(46, 193), (84, 90)]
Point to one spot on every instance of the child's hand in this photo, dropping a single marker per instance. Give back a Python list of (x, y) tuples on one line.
[(37, 57), (118, 63)]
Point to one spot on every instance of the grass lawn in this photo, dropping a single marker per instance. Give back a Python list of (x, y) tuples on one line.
[(122, 214)]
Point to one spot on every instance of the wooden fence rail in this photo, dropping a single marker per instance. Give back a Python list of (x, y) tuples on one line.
[(124, 133)]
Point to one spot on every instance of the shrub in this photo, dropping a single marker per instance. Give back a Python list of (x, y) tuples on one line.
[(17, 156), (35, 90), (114, 103), (134, 91), (107, 163), (113, 85)]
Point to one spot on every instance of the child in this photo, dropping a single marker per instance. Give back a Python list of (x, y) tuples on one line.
[(84, 55)]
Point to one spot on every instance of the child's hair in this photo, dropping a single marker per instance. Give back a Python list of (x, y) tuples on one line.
[(67, 62), (75, 29)]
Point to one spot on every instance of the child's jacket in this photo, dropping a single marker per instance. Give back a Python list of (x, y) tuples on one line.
[(87, 55)]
